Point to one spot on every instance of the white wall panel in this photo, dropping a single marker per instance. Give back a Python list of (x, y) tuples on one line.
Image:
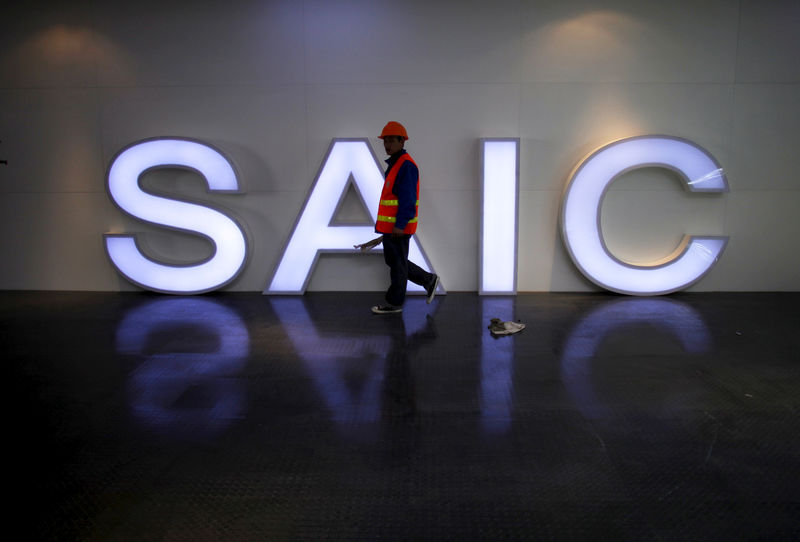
[(769, 41), (201, 43), (50, 139), (629, 41), (765, 137), (363, 41), (49, 44), (762, 254), (53, 241)]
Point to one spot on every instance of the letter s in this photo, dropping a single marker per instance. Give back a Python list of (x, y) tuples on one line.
[(227, 237)]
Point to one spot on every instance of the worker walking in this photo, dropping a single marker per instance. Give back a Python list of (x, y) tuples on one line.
[(398, 219)]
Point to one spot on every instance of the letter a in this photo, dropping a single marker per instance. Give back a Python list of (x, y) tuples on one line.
[(315, 231)]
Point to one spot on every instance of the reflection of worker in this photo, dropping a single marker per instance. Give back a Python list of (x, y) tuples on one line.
[(397, 221)]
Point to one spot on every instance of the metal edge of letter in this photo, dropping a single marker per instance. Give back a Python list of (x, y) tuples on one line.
[(481, 142), (686, 240), (216, 207)]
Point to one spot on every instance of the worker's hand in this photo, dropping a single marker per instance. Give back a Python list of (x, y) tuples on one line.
[(397, 232)]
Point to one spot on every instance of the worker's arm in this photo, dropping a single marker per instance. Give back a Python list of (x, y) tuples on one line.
[(405, 188)]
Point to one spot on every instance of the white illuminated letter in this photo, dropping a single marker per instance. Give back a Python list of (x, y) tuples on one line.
[(499, 217), (229, 240), (580, 215), (315, 232)]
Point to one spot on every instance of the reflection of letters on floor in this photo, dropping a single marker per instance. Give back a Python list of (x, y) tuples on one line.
[(327, 358), (674, 318), (497, 358), (191, 347)]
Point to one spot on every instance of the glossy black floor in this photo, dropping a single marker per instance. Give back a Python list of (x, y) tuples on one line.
[(244, 417)]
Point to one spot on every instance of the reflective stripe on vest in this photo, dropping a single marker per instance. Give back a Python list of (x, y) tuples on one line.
[(393, 219), (387, 208), (392, 202)]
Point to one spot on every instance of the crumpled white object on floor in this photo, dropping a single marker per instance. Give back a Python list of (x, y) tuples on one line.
[(498, 327)]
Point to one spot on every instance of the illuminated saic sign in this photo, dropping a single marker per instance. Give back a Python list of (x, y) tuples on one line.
[(351, 162)]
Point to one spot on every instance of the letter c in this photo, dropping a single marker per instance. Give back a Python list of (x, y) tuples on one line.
[(583, 198)]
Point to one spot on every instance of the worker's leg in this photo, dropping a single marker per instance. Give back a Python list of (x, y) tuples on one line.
[(418, 275), (395, 254)]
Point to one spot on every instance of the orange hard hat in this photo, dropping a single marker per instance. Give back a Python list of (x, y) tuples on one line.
[(394, 129)]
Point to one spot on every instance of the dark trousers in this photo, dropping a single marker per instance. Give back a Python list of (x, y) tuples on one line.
[(395, 253)]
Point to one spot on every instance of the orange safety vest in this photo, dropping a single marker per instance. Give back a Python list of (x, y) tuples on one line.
[(387, 209)]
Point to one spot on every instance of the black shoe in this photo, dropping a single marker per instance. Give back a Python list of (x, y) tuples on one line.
[(432, 290), (386, 309)]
